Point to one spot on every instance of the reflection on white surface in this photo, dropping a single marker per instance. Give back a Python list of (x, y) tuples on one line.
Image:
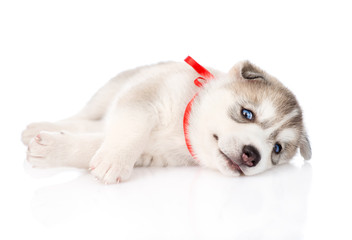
[(178, 203)]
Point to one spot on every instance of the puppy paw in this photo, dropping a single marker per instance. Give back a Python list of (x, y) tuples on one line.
[(109, 167), (48, 149), (34, 128)]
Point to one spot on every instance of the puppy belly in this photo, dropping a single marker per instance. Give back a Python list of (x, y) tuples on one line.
[(164, 160)]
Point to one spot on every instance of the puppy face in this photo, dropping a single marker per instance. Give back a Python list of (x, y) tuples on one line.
[(246, 122)]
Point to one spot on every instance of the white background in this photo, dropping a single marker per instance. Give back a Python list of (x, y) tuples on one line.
[(55, 54)]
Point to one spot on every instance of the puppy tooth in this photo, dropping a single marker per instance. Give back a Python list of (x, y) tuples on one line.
[(37, 138)]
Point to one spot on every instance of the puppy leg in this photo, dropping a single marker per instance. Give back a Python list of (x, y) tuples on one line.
[(98, 105), (126, 137), (57, 149), (89, 119), (74, 126)]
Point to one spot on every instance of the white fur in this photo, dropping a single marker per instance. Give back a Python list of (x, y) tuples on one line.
[(266, 111), (136, 120), (287, 135), (283, 120)]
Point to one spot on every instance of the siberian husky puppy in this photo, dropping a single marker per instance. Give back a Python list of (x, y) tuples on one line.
[(242, 122)]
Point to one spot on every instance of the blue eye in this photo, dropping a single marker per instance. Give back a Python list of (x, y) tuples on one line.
[(247, 114), (277, 148)]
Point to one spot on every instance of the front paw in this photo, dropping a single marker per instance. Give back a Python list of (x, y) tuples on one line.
[(109, 167)]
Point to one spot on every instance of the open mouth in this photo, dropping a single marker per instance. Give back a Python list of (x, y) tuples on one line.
[(232, 165)]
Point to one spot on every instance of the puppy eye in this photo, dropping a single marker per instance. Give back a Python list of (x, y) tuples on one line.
[(247, 114), (277, 148)]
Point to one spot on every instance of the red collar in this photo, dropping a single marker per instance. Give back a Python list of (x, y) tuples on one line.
[(206, 76)]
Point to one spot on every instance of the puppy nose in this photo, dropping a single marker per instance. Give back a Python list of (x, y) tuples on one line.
[(250, 156)]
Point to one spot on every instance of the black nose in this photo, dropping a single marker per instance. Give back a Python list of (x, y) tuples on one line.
[(250, 156)]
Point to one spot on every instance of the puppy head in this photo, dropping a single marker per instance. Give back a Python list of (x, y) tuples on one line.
[(246, 122)]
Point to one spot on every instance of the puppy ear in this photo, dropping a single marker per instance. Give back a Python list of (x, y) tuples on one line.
[(245, 70), (304, 146)]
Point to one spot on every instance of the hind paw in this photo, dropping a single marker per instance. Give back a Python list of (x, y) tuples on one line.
[(48, 149), (34, 128)]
